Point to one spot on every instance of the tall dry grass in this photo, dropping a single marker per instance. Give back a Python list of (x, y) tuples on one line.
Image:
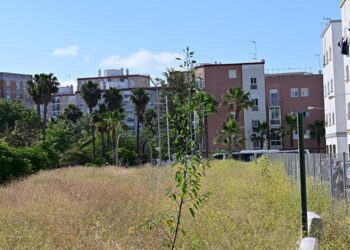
[(90, 208)]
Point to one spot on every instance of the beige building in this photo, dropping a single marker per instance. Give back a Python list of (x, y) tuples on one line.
[(14, 87)]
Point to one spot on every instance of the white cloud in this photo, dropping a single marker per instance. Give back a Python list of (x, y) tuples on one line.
[(70, 51), (143, 61)]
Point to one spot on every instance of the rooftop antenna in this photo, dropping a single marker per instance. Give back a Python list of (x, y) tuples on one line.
[(326, 20), (319, 62), (255, 54)]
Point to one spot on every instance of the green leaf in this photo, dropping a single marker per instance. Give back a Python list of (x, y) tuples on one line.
[(192, 212)]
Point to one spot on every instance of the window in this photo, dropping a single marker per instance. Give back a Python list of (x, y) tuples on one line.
[(348, 110), (307, 134), (304, 92), (18, 84), (307, 114), (274, 98), (325, 90), (255, 104), (253, 83), (330, 54), (347, 73), (8, 97), (256, 144), (324, 61), (294, 92), (8, 84), (275, 140), (255, 124), (333, 120), (275, 116), (232, 74), (328, 89), (327, 57), (233, 115), (331, 85)]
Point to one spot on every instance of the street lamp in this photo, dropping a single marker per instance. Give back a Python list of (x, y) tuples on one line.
[(158, 123)]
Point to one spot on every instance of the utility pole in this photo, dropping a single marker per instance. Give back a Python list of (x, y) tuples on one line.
[(167, 126), (158, 123), (303, 194)]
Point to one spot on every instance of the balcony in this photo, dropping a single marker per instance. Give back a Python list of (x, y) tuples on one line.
[(274, 102)]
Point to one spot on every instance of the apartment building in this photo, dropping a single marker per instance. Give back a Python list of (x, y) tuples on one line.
[(334, 89), (114, 78), (216, 79), (128, 106), (345, 40), (14, 87), (288, 93), (60, 101)]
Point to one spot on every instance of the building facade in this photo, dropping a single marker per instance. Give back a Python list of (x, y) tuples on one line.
[(60, 101), (334, 89), (345, 16), (289, 93), (14, 87), (216, 79)]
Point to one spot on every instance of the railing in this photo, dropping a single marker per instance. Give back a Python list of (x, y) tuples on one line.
[(332, 170), (274, 102)]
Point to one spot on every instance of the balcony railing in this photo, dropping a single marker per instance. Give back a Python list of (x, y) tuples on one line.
[(275, 122), (275, 102)]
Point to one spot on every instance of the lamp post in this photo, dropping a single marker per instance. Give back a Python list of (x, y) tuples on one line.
[(303, 194), (158, 123)]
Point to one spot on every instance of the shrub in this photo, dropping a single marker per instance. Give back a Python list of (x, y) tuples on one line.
[(126, 156), (15, 163), (74, 157)]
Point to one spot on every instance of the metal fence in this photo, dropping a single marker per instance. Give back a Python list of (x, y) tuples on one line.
[(331, 169)]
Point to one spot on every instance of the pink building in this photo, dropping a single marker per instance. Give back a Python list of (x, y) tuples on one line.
[(294, 92)]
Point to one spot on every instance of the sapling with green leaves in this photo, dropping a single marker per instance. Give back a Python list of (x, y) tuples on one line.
[(187, 194)]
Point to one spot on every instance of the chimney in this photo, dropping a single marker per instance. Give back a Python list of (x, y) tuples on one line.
[(99, 73)]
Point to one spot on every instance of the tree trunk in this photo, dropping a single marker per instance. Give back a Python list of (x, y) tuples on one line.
[(113, 145), (102, 144), (38, 110), (108, 139), (291, 139), (237, 115), (93, 137), (44, 127), (138, 136)]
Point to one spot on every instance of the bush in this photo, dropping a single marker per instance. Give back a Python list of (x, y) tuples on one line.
[(74, 157), (15, 163), (126, 156)]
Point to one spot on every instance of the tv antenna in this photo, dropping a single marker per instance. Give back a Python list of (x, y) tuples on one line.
[(255, 54)]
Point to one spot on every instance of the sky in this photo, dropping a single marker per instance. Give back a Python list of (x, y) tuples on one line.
[(75, 38)]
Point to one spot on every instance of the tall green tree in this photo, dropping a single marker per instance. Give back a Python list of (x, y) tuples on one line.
[(35, 91), (230, 135), (113, 99), (237, 101), (261, 133), (291, 124), (317, 132), (140, 100), (72, 113), (49, 88), (91, 94), (115, 121)]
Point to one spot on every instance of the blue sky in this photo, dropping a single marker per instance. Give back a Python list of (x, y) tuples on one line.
[(75, 38)]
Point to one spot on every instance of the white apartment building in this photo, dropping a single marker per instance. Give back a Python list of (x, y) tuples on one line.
[(334, 89), (345, 15)]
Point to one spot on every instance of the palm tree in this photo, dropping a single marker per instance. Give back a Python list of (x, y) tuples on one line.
[(101, 125), (113, 99), (34, 90), (230, 135), (291, 121), (261, 133), (42, 88), (114, 120), (91, 94), (237, 101), (318, 131), (140, 99), (72, 113)]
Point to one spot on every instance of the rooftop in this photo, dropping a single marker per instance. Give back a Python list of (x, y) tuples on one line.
[(226, 64), (328, 25), (120, 76)]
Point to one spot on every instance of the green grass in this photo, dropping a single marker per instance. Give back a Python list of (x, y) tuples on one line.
[(90, 208)]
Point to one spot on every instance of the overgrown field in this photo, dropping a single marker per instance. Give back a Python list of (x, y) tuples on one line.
[(91, 208)]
